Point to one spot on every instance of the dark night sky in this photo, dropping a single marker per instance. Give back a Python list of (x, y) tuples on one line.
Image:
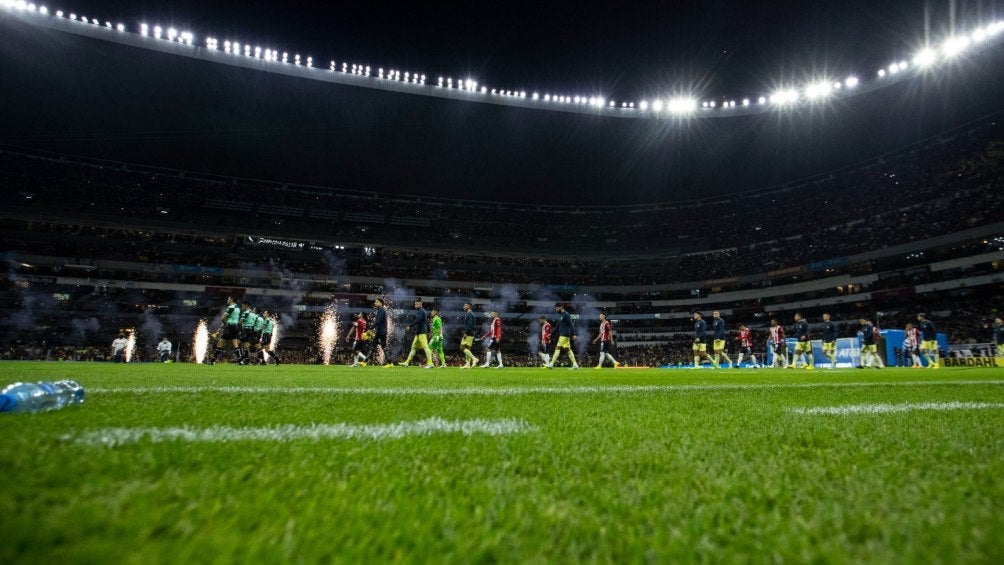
[(218, 119)]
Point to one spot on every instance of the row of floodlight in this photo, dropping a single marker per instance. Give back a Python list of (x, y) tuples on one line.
[(925, 59)]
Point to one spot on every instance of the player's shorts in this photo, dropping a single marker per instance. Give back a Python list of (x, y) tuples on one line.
[(604, 346), (829, 346), (803, 347), (701, 347), (467, 341), (379, 339), (266, 339), (436, 343), (494, 344), (781, 347), (421, 341), (544, 348), (564, 342), (929, 345), (358, 345), (745, 350), (247, 335), (719, 344), (869, 348), (230, 331)]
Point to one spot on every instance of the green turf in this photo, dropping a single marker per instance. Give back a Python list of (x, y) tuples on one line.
[(688, 474)]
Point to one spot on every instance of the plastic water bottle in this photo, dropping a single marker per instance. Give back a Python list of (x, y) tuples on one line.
[(40, 397)]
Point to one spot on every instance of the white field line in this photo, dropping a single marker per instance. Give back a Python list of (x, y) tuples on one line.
[(523, 390), (893, 408), (289, 432)]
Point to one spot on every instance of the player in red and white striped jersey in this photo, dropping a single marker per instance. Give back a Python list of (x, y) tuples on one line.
[(494, 345), (911, 344), (779, 348), (745, 339), (605, 337), (356, 335), (544, 350)]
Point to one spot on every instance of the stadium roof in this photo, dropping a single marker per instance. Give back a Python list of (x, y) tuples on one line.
[(112, 101)]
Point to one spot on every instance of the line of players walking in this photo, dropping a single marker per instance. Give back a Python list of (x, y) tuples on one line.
[(920, 340), (249, 335), (369, 342)]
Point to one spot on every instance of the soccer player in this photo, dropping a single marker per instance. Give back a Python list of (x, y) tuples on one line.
[(229, 332), (420, 325), (778, 347), (869, 349), (468, 340), (566, 332), (544, 351), (436, 338), (247, 332), (119, 345), (911, 343), (745, 339), (164, 348), (804, 345), (494, 337), (606, 339), (259, 326), (718, 334), (701, 341), (378, 345), (929, 341), (355, 335), (830, 340)]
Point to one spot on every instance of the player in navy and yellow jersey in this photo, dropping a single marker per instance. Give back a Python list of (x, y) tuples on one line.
[(566, 332), (468, 338), (929, 340), (701, 341), (830, 340), (803, 347), (718, 336)]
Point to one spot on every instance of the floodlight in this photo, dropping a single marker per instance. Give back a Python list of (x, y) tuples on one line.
[(643, 105), (925, 58), (172, 33), (955, 45), (761, 100), (851, 82), (120, 27), (746, 101), (881, 73)]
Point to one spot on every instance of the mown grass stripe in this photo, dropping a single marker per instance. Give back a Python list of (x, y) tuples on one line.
[(516, 391), (853, 409), (291, 432)]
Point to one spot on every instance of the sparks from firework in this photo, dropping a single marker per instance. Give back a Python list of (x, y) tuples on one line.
[(327, 333), (272, 343), (201, 341), (130, 345)]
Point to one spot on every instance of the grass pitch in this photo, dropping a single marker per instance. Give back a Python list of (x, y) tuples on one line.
[(177, 463)]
